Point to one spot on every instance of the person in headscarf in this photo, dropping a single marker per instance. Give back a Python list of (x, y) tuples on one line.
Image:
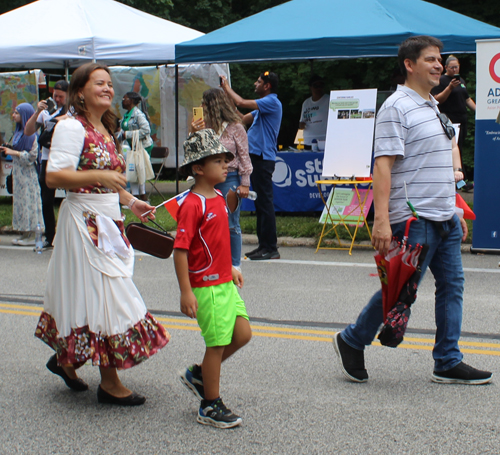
[(136, 119), (27, 204)]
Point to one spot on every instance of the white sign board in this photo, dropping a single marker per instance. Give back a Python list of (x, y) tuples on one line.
[(349, 134)]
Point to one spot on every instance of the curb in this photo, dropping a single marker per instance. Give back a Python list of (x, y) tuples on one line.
[(251, 239)]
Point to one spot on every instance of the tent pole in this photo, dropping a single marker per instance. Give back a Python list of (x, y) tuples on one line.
[(177, 129), (66, 71)]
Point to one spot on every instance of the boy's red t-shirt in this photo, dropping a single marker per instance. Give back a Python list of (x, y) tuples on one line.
[(203, 230)]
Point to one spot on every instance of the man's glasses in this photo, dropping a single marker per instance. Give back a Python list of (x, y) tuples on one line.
[(447, 126)]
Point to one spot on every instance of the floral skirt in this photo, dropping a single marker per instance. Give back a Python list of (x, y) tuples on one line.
[(92, 308), (124, 350)]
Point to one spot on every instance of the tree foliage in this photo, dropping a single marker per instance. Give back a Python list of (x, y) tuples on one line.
[(209, 15)]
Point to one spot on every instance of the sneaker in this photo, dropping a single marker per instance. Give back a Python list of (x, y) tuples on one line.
[(251, 253), (264, 255), (217, 415), (193, 380), (28, 241), (352, 361), (462, 374), (46, 246)]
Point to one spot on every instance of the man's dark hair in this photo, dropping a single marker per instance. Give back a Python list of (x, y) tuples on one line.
[(412, 47), (61, 85), (270, 78)]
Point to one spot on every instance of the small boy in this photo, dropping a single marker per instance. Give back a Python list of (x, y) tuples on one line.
[(207, 280)]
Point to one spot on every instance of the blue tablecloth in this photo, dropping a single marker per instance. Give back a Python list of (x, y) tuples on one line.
[(294, 184)]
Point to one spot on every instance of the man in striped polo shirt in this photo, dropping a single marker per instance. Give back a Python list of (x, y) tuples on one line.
[(413, 148)]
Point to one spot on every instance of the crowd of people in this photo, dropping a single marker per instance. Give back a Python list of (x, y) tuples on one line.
[(92, 309)]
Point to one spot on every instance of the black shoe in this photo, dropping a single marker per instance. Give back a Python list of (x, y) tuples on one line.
[(468, 187), (462, 374), (193, 380), (352, 361), (46, 246), (78, 385), (251, 253), (264, 255), (217, 415), (133, 399)]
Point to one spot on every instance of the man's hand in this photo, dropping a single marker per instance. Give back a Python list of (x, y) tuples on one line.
[(465, 229), (41, 106), (189, 304), (381, 236)]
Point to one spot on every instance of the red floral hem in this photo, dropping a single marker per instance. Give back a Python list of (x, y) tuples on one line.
[(123, 350)]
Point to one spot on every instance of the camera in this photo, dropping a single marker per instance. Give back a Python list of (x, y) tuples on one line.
[(51, 105)]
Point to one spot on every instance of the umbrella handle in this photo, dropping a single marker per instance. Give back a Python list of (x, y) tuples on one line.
[(407, 229)]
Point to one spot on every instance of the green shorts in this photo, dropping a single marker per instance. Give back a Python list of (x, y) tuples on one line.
[(218, 308)]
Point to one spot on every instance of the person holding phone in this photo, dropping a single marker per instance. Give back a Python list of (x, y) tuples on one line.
[(219, 114), (47, 114), (454, 99)]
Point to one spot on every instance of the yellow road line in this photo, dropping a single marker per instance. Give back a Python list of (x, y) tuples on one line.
[(288, 333)]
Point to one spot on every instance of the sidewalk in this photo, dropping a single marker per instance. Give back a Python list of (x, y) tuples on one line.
[(169, 188)]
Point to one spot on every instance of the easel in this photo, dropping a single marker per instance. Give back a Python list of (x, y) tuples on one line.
[(342, 217)]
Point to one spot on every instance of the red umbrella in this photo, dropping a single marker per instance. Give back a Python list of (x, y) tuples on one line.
[(394, 328), (396, 268)]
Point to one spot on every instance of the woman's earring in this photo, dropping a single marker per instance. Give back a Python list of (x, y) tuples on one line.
[(82, 100)]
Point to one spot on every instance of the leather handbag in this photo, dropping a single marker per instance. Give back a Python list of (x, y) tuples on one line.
[(157, 243)]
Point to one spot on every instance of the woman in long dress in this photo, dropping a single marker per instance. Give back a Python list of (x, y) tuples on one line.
[(92, 309), (27, 202)]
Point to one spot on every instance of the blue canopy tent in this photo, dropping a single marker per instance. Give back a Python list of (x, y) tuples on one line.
[(332, 29)]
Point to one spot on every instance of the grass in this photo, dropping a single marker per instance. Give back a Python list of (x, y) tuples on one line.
[(287, 225)]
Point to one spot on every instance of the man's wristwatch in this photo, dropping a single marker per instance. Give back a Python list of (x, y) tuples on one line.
[(458, 169)]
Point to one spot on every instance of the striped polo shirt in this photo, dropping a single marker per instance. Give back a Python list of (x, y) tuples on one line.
[(408, 126)]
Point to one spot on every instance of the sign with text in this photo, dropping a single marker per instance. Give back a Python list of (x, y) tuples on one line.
[(486, 226), (349, 134), (345, 206)]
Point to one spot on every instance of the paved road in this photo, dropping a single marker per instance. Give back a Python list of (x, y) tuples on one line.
[(285, 384)]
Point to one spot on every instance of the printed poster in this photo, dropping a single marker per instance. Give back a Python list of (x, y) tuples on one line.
[(349, 134), (344, 205)]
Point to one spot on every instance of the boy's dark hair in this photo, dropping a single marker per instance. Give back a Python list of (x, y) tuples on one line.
[(412, 47), (270, 78), (187, 171)]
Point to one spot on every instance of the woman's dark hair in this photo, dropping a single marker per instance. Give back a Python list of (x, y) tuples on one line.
[(412, 47), (136, 100), (218, 109), (78, 81)]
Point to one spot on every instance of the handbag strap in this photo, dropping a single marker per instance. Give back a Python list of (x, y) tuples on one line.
[(157, 225)]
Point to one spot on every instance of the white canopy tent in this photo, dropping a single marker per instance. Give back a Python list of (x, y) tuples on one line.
[(67, 33)]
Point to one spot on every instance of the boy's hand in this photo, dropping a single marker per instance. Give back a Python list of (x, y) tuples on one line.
[(237, 277), (189, 304)]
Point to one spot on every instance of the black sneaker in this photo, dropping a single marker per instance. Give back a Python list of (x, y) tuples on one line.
[(193, 380), (217, 415), (264, 255), (251, 253), (352, 361), (462, 374)]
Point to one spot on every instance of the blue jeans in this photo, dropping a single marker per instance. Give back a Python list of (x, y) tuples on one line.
[(445, 262), (233, 179)]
